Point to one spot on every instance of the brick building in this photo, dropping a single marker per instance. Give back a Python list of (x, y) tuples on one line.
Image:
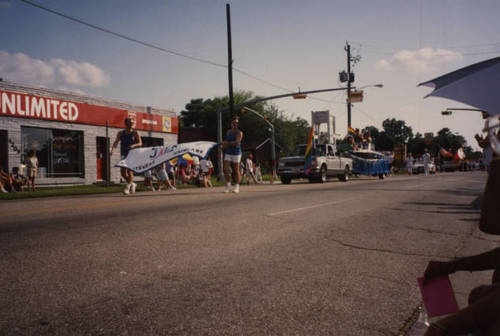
[(68, 132)]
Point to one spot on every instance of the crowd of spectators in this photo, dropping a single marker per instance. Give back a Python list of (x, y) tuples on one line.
[(14, 181), (196, 172)]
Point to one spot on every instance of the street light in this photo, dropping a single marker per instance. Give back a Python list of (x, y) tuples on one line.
[(273, 148), (450, 110), (219, 111), (368, 86)]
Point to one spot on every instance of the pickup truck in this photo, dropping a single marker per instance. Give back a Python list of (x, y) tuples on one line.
[(326, 163)]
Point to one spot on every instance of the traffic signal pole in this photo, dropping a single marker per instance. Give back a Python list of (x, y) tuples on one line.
[(231, 96), (229, 59), (347, 48)]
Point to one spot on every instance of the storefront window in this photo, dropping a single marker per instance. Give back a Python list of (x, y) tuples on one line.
[(59, 152)]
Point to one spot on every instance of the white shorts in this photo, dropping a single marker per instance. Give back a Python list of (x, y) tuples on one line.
[(232, 158), (162, 175), (147, 174)]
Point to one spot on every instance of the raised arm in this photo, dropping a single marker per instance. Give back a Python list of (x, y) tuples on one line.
[(484, 261)]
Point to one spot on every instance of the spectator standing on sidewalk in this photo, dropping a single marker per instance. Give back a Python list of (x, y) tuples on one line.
[(148, 180), (249, 170), (426, 160), (205, 173), (409, 164), (485, 144), (232, 156), (162, 176), (258, 173), (129, 139), (32, 164), (170, 169)]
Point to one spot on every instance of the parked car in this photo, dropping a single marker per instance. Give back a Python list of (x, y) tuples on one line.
[(418, 168)]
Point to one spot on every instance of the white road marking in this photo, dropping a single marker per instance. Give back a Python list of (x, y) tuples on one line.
[(311, 207)]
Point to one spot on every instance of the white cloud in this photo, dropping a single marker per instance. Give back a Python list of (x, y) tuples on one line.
[(79, 73), (418, 61), (55, 73)]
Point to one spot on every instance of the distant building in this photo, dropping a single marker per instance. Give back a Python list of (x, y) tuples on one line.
[(68, 132)]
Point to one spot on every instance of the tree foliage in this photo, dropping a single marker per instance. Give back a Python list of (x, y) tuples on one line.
[(397, 130), (201, 114)]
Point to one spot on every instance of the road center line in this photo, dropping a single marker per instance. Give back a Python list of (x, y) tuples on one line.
[(311, 207)]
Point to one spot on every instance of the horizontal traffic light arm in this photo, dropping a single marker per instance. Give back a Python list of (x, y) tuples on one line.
[(258, 100)]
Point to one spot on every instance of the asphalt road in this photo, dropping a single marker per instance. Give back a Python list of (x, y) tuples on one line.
[(301, 259)]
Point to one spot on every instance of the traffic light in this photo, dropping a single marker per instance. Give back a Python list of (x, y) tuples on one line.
[(243, 111), (266, 117), (300, 96), (446, 112), (344, 77)]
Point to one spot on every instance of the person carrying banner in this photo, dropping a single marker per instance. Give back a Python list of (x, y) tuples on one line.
[(129, 139), (232, 155)]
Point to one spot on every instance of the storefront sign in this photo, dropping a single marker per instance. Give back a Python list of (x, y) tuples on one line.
[(22, 105)]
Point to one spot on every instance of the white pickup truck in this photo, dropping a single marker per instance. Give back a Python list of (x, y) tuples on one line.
[(326, 162)]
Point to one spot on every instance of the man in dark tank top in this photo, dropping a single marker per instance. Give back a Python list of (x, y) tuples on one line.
[(129, 139)]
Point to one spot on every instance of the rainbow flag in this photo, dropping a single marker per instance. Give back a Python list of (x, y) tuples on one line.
[(352, 131), (445, 153), (308, 154)]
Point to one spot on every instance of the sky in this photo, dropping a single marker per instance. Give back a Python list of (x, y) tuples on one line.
[(278, 47)]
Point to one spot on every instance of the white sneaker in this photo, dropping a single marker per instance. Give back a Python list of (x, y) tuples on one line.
[(132, 188), (236, 188), (174, 188), (228, 188), (4, 191), (126, 191)]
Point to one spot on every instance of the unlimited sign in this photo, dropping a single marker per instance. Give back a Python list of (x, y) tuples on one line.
[(21, 105)]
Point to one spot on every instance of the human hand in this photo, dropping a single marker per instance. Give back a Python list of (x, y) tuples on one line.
[(437, 268)]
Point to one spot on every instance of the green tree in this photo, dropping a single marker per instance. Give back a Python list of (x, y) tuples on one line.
[(448, 140), (383, 142), (201, 114), (397, 130), (416, 145)]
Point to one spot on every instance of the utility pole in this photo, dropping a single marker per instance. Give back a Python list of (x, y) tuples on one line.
[(231, 97), (347, 48), (229, 59)]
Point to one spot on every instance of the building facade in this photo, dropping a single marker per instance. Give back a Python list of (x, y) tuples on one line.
[(68, 132)]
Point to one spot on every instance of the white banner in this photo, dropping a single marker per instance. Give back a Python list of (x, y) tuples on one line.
[(140, 160)]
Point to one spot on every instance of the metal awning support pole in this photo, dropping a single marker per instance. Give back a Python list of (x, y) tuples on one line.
[(108, 163), (220, 176), (273, 153)]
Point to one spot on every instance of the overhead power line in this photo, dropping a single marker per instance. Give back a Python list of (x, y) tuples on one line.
[(146, 44), (150, 45)]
